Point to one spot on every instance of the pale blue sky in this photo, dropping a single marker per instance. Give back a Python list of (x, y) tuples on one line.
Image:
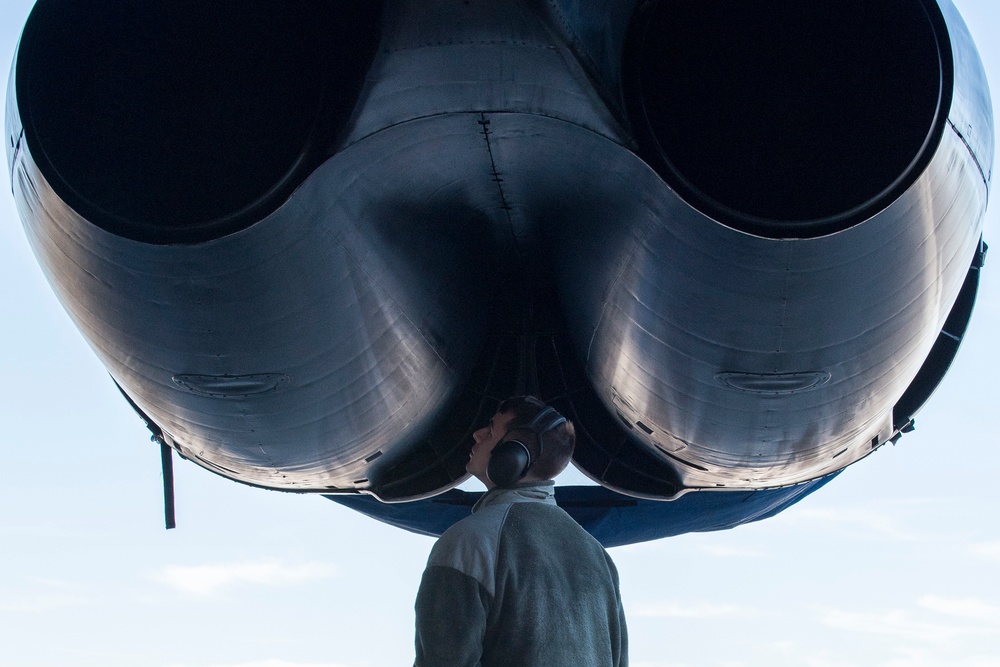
[(892, 565)]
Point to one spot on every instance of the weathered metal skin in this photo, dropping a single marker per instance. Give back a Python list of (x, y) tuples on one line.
[(489, 186)]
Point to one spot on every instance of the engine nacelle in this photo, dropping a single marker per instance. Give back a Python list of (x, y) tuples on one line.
[(313, 242)]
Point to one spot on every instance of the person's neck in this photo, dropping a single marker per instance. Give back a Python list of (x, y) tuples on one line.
[(527, 479)]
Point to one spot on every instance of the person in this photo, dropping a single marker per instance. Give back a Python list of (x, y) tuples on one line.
[(519, 583)]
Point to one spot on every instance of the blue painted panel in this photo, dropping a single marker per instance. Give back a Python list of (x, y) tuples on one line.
[(614, 519)]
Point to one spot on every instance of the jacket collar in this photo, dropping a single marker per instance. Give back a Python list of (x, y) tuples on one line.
[(544, 492)]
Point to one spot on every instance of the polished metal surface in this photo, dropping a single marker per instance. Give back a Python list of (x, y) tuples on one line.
[(682, 308), (334, 291), (489, 156)]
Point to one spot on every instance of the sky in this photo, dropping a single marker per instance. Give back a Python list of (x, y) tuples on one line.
[(894, 564)]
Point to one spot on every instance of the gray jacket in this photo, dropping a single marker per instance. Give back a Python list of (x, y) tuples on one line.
[(519, 584)]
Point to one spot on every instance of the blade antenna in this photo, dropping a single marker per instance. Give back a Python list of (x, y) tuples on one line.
[(166, 460), (167, 463)]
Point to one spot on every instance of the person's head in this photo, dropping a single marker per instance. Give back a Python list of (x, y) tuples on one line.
[(549, 457)]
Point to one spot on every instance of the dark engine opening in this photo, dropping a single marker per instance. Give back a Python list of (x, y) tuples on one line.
[(786, 118), (179, 122)]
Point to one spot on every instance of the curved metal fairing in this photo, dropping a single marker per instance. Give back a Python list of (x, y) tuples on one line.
[(316, 262)]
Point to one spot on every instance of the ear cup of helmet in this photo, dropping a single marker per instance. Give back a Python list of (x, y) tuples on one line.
[(509, 462)]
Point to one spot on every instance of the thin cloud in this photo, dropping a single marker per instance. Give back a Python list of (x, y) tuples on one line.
[(269, 663), (678, 610), (44, 595), (208, 580), (41, 603), (43, 530), (893, 623), (961, 618), (906, 656), (910, 656), (967, 608), (987, 550), (862, 521), (784, 647), (722, 551)]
